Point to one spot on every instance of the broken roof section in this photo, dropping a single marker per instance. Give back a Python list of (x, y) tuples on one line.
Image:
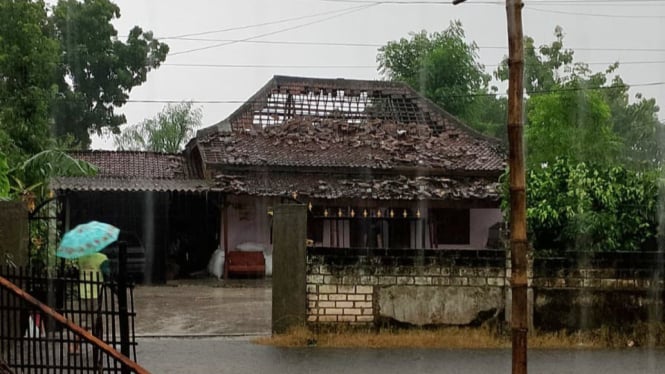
[(132, 171), (294, 129), (353, 101), (371, 144)]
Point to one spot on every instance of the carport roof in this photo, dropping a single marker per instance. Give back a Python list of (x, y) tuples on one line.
[(132, 171)]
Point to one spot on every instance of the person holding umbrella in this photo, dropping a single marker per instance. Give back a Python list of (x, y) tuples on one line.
[(84, 244)]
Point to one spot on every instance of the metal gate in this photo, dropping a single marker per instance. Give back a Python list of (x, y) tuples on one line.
[(42, 310)]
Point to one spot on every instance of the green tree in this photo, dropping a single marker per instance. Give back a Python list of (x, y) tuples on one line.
[(28, 61), (586, 207), (445, 68), (584, 116), (167, 132), (571, 123), (545, 67), (4, 177), (97, 70)]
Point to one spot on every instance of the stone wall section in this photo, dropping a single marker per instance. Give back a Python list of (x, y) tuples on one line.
[(346, 288)]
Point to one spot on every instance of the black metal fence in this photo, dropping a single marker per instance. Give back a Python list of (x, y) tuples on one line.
[(34, 342)]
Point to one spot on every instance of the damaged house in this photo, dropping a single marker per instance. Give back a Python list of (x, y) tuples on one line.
[(378, 165)]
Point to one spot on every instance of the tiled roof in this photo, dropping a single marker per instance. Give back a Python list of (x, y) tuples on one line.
[(372, 144), (129, 164), (128, 184), (132, 171), (379, 187)]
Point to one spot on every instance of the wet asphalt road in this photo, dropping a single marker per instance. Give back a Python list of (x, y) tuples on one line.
[(239, 355)]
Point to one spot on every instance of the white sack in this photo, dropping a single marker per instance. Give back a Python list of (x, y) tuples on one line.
[(216, 263)]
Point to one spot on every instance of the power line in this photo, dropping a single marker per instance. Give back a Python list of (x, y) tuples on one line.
[(273, 66), (255, 66), (166, 101), (486, 2), (376, 45), (343, 13), (285, 42), (594, 14), (284, 20)]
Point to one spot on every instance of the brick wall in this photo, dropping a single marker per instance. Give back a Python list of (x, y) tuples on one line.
[(345, 285), (363, 287)]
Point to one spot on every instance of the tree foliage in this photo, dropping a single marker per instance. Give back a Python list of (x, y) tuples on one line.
[(167, 132), (578, 206), (583, 115), (4, 177), (575, 124), (61, 73), (593, 155), (28, 61), (444, 67), (97, 70)]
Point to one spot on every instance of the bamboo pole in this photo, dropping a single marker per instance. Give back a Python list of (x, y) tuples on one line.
[(518, 240), (86, 335), (519, 246)]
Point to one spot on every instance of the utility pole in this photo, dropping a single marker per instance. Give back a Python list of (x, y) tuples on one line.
[(519, 245)]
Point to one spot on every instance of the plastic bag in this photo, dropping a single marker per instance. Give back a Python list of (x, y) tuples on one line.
[(216, 263)]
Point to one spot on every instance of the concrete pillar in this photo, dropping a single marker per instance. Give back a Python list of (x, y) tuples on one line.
[(13, 233), (289, 292)]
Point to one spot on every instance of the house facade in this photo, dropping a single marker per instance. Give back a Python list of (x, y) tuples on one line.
[(378, 165)]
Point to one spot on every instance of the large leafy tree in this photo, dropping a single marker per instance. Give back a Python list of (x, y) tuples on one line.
[(65, 73), (570, 123), (444, 67), (167, 132), (97, 70), (582, 115), (545, 66), (28, 61)]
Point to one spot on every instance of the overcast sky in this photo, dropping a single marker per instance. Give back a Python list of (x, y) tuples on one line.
[(600, 32)]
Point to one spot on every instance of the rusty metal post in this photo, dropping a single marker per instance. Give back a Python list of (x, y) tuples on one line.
[(225, 233), (519, 246)]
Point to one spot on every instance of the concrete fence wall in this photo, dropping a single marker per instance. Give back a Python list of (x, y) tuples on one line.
[(591, 290), (408, 286), (467, 287)]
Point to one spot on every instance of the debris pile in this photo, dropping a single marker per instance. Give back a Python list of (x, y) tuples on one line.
[(397, 187), (368, 143)]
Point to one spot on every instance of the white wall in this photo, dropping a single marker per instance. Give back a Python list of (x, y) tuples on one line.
[(248, 221)]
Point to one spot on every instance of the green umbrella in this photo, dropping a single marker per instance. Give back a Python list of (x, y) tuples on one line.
[(86, 239)]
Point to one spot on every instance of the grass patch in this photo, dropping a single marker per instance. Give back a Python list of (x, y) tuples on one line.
[(451, 337), (651, 335)]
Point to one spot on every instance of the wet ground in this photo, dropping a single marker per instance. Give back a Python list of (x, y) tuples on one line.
[(204, 307), (206, 326), (238, 356)]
